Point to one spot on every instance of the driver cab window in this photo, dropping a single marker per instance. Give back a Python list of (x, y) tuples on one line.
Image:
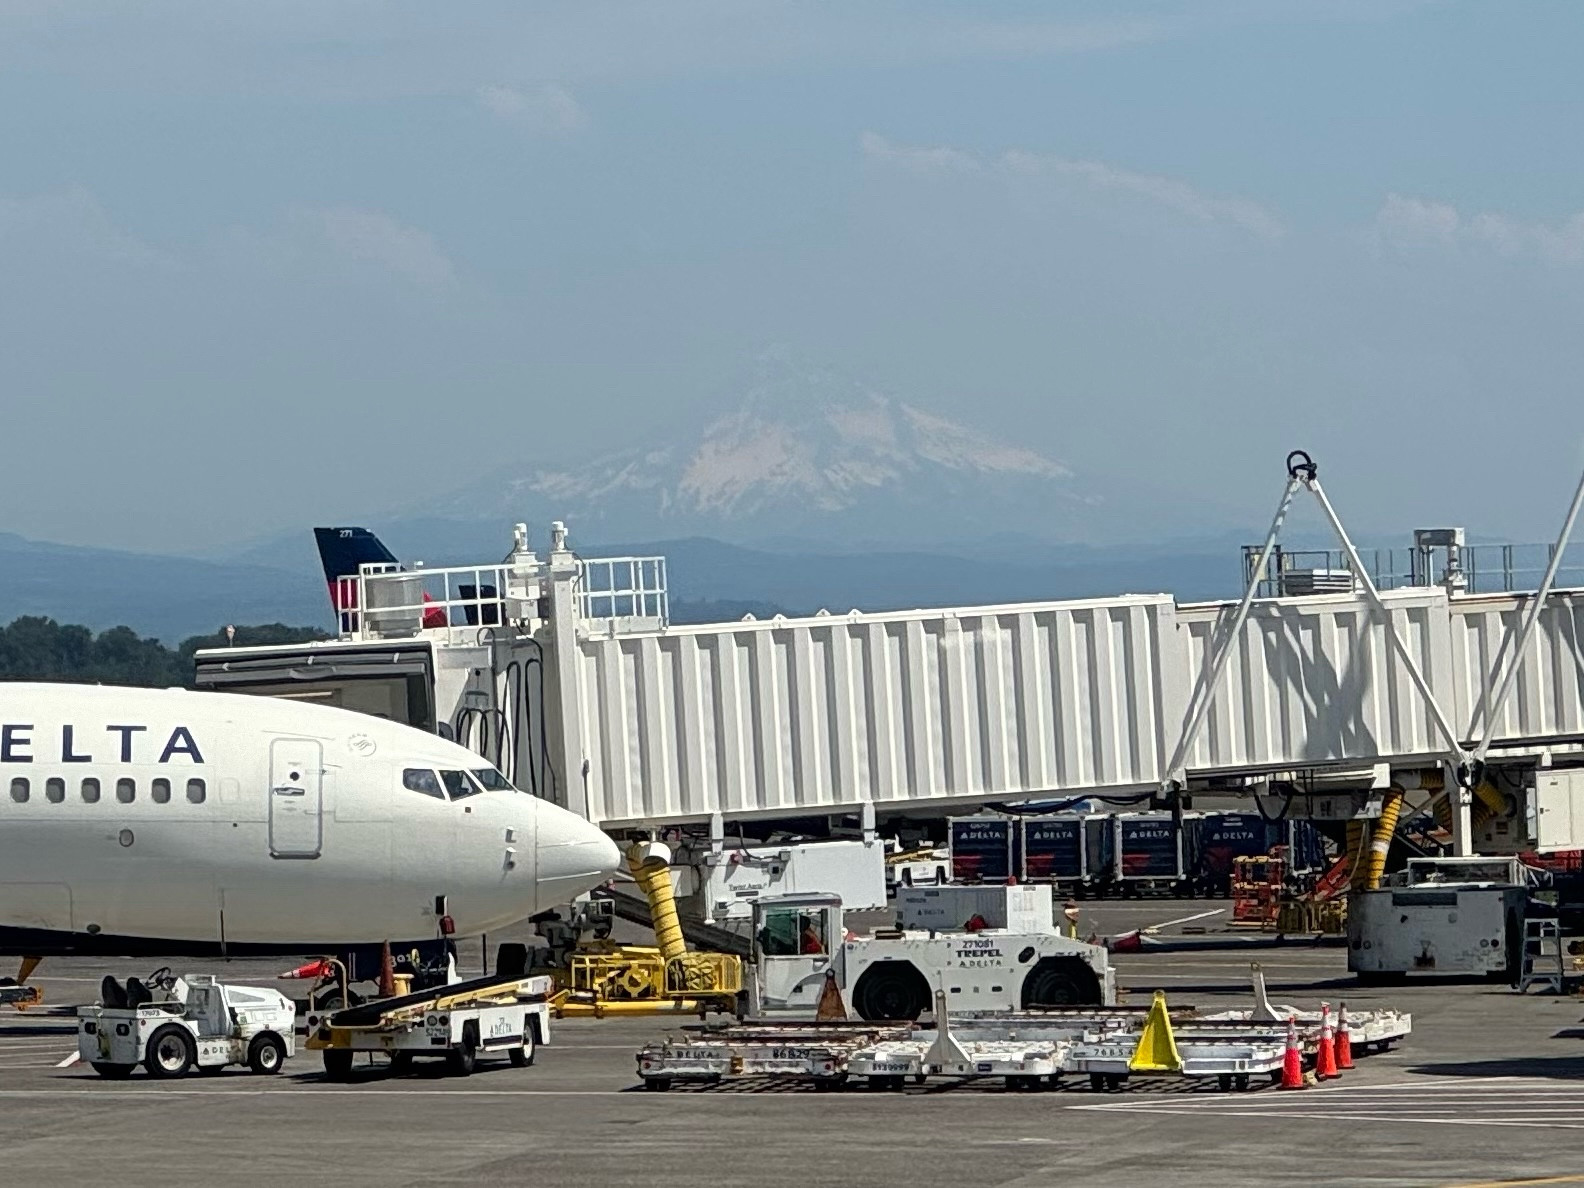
[(421, 779), (790, 932)]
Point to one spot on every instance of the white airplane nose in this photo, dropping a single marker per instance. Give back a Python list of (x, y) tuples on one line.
[(571, 855)]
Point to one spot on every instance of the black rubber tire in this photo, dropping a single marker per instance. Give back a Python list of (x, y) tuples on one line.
[(463, 1059), (1059, 982), (266, 1054), (891, 990), (113, 1072), (338, 1064), (171, 1052), (523, 1057), (657, 1084), (401, 1063)]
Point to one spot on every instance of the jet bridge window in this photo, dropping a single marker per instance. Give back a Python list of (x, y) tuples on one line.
[(20, 789), (421, 779), (458, 784)]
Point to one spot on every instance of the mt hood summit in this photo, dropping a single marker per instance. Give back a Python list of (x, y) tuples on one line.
[(829, 460)]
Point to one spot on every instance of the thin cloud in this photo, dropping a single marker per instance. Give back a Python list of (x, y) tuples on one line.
[(1408, 222), (372, 237), (1168, 192), (73, 220), (548, 109), (926, 160)]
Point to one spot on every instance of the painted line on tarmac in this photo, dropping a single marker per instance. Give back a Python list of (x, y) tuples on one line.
[(1337, 1116), (1520, 1183), (70, 1060)]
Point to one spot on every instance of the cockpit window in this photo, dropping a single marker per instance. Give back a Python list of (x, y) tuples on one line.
[(492, 781), (421, 779), (458, 784)]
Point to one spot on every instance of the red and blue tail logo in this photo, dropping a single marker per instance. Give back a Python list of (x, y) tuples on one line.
[(342, 551)]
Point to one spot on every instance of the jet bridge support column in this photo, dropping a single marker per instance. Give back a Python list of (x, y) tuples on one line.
[(566, 744)]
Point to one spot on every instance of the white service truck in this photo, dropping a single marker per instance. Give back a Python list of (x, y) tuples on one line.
[(801, 947), (1441, 916), (172, 1024)]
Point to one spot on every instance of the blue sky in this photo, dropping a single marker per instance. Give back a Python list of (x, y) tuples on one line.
[(262, 265)]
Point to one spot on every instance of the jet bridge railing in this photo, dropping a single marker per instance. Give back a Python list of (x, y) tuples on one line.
[(385, 602), (622, 594)]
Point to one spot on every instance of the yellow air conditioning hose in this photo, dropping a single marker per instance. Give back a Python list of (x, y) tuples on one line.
[(650, 863), (1381, 838), (1355, 855), (1488, 803)]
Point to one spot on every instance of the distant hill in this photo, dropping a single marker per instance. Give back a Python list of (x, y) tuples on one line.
[(168, 598), (171, 598)]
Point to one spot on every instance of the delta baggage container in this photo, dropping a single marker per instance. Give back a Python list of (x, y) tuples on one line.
[(983, 849), (1065, 849), (1224, 837), (1306, 849), (1151, 852)]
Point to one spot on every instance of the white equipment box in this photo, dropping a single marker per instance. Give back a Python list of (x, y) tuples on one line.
[(1442, 916), (951, 908), (732, 878)]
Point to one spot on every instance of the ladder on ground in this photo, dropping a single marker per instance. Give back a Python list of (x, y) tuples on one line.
[(1542, 955)]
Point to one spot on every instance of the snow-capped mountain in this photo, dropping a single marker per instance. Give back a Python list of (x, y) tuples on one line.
[(805, 456)]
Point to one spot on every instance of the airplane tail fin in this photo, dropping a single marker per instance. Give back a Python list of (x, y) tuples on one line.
[(341, 552)]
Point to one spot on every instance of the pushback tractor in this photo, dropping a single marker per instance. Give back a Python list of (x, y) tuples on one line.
[(171, 1025)]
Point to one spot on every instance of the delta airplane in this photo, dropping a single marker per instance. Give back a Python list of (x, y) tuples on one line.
[(136, 821)]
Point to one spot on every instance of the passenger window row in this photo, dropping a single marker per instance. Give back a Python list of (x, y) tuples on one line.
[(159, 790)]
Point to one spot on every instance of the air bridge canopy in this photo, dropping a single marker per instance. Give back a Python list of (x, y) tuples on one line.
[(635, 722), (394, 681)]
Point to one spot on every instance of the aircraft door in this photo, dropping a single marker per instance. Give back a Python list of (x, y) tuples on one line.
[(296, 809)]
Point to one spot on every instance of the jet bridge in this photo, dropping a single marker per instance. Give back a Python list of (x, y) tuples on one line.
[(567, 673)]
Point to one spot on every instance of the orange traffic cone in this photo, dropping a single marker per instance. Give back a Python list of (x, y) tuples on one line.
[(1344, 1042), (830, 1008), (320, 967), (387, 978), (1325, 1058), (1292, 1061)]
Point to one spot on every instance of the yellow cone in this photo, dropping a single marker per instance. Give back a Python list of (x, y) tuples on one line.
[(1157, 1046)]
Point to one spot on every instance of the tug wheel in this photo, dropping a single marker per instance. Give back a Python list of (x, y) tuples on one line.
[(266, 1054), (171, 1052), (891, 990)]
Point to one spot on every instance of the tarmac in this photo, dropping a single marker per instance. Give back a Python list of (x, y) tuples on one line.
[(1488, 1090)]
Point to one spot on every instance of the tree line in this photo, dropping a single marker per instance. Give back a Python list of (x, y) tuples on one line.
[(35, 648)]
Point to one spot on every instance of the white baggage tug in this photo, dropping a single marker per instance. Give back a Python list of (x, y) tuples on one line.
[(170, 1025)]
